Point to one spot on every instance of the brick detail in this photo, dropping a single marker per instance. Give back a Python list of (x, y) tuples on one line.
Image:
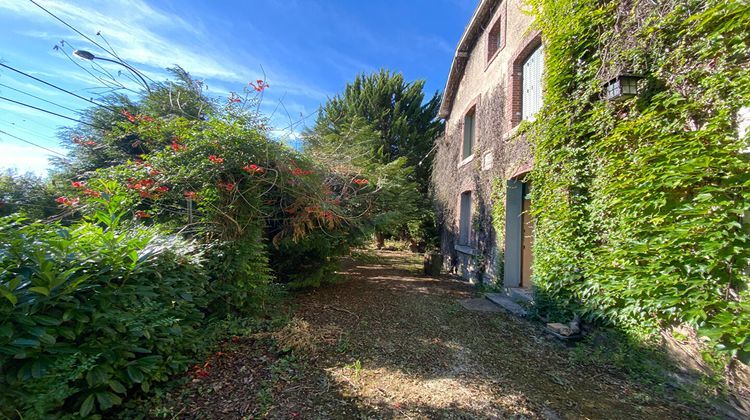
[(515, 77)]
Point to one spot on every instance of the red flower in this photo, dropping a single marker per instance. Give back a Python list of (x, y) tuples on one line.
[(92, 193), (361, 181), (253, 169), (65, 201), (229, 186), (233, 98), (147, 118), (154, 172), (215, 159), (259, 85), (128, 115), (298, 172), (162, 189), (77, 184), (191, 195), (142, 214)]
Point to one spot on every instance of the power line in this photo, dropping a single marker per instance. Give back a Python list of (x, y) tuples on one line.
[(37, 97), (74, 29), (58, 88), (110, 51), (48, 112), (33, 144), (23, 128)]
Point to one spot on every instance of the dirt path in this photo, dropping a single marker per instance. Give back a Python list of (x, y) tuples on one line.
[(390, 343)]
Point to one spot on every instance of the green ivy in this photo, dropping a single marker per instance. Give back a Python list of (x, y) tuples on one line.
[(639, 202)]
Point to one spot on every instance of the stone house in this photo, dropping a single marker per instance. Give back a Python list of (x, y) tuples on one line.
[(480, 165)]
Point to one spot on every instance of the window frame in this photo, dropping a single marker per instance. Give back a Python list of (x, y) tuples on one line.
[(470, 132), (534, 63), (496, 31)]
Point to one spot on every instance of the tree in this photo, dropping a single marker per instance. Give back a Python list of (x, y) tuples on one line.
[(406, 125), (380, 120)]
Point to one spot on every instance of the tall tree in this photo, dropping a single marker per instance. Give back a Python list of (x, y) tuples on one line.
[(382, 123), (406, 124)]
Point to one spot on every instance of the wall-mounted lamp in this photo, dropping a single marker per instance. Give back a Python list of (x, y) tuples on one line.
[(622, 86)]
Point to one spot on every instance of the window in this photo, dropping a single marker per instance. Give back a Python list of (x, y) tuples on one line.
[(531, 95), (464, 221), (469, 123), (495, 38)]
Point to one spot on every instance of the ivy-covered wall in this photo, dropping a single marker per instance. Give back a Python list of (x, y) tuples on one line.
[(639, 203)]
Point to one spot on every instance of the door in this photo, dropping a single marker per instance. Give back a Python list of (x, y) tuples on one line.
[(527, 238)]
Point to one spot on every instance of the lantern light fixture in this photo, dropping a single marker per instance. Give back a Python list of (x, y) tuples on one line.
[(622, 86)]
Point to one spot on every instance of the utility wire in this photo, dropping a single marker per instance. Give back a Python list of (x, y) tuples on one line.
[(33, 144), (24, 129), (48, 112), (59, 88), (74, 29), (110, 51), (37, 97)]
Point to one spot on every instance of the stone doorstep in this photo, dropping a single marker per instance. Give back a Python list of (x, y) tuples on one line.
[(506, 303), (520, 295)]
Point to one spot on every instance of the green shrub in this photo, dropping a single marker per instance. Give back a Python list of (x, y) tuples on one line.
[(93, 310)]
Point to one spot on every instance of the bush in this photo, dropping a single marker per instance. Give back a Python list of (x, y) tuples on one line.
[(91, 311)]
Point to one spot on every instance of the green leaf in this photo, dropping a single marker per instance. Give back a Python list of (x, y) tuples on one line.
[(87, 406), (96, 376), (25, 342), (135, 374), (107, 400), (8, 295), (39, 289), (116, 386), (47, 320)]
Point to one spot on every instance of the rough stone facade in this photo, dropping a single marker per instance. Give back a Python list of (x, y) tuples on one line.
[(486, 74)]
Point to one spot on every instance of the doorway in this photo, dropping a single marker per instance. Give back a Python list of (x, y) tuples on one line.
[(519, 235), (527, 238)]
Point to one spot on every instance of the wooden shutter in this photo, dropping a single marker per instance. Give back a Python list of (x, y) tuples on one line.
[(468, 134), (533, 68), (464, 223)]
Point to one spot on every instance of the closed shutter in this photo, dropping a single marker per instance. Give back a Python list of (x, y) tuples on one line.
[(464, 221), (468, 135), (533, 68)]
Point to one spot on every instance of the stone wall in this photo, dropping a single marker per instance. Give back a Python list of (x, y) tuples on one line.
[(488, 84)]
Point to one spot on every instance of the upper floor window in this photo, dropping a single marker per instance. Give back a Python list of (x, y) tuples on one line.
[(469, 131), (495, 38), (531, 96)]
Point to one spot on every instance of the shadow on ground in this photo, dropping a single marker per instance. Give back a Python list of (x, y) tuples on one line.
[(391, 343)]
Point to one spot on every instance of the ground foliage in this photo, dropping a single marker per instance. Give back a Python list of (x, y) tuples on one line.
[(639, 203)]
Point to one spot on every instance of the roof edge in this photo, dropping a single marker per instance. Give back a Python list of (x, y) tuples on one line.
[(461, 56)]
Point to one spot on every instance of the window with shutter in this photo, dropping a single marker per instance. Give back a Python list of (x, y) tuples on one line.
[(464, 223), (531, 99), (468, 143)]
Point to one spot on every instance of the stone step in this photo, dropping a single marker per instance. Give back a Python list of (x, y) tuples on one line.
[(506, 303), (521, 295)]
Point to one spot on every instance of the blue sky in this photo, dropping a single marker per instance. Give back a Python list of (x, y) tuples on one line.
[(308, 50)]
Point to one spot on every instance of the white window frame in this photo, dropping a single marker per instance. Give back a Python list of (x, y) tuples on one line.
[(532, 97)]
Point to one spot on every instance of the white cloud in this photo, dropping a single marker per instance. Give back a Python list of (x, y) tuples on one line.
[(145, 36), (24, 158)]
